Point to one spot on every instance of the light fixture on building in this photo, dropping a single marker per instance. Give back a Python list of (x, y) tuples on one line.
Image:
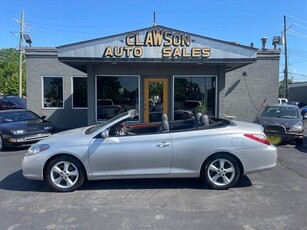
[(276, 41), (27, 39)]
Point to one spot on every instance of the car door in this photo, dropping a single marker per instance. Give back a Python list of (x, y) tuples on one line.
[(149, 154)]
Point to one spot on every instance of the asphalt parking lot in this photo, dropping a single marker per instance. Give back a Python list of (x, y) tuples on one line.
[(274, 199)]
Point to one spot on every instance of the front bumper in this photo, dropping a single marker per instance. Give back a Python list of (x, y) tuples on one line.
[(33, 166), (24, 140), (281, 131)]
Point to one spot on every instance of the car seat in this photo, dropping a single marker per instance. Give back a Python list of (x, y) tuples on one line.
[(165, 125), (204, 120)]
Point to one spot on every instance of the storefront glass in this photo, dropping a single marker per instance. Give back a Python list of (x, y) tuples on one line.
[(195, 93), (53, 92), (79, 94), (116, 94)]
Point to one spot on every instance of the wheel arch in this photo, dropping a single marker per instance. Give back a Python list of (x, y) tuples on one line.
[(64, 155), (222, 153)]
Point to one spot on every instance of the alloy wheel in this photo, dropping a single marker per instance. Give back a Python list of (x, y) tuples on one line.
[(221, 172), (64, 174)]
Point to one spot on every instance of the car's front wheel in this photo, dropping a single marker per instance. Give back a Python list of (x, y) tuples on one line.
[(221, 171), (2, 145), (64, 174)]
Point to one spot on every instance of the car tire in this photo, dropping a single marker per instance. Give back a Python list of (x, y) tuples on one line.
[(274, 139), (64, 174), (299, 142), (221, 171), (2, 145)]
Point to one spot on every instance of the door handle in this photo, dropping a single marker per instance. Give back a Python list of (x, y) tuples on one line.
[(163, 144)]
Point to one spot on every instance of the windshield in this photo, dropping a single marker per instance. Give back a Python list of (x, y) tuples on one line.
[(280, 112), (15, 116), (22, 102), (98, 126)]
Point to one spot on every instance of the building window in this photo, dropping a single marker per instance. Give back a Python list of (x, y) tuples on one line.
[(196, 94), (53, 92), (116, 94), (79, 92)]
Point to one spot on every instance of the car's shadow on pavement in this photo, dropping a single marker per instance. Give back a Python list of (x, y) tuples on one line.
[(303, 148), (16, 182), (15, 149), (300, 148)]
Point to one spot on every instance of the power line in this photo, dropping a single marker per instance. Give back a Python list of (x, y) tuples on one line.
[(298, 74), (297, 34), (305, 27), (296, 18)]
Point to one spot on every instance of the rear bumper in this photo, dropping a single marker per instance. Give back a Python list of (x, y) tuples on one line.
[(258, 160)]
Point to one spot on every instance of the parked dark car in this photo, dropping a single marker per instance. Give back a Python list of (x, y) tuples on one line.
[(12, 102), (282, 122), (22, 127), (304, 111)]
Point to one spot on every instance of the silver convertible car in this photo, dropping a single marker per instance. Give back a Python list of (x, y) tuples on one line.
[(216, 150)]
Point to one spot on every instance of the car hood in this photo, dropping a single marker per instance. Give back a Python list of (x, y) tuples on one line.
[(72, 133), (29, 126), (264, 121), (66, 136)]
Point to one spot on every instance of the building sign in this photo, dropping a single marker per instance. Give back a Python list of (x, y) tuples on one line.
[(170, 45)]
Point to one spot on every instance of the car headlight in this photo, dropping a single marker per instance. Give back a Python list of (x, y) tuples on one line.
[(34, 149), (297, 128), (19, 132), (48, 128)]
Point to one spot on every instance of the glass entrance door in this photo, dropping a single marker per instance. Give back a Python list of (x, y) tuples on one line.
[(155, 99)]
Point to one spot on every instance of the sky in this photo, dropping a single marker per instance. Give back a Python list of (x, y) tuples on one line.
[(52, 23)]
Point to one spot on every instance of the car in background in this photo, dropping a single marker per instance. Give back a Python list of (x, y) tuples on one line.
[(293, 103), (12, 102), (106, 109), (219, 152), (282, 100), (304, 111), (22, 127), (282, 122), (301, 104)]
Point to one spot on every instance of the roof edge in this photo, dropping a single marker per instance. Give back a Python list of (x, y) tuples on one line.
[(162, 27)]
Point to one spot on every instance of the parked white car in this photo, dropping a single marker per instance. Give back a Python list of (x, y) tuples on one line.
[(282, 100)]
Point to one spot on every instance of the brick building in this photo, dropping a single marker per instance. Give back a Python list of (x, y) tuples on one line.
[(155, 70)]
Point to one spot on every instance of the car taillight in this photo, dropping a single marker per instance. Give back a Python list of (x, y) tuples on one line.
[(258, 137)]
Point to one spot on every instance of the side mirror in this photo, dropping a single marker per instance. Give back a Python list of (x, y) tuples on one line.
[(43, 117), (105, 133)]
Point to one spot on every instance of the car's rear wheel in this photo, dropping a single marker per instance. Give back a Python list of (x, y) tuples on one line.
[(64, 174), (221, 171), (274, 139)]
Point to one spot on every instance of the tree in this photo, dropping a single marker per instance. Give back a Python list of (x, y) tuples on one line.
[(9, 72), (282, 87)]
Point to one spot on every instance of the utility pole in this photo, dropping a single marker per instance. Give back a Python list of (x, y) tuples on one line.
[(286, 61), (20, 53), (154, 19)]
